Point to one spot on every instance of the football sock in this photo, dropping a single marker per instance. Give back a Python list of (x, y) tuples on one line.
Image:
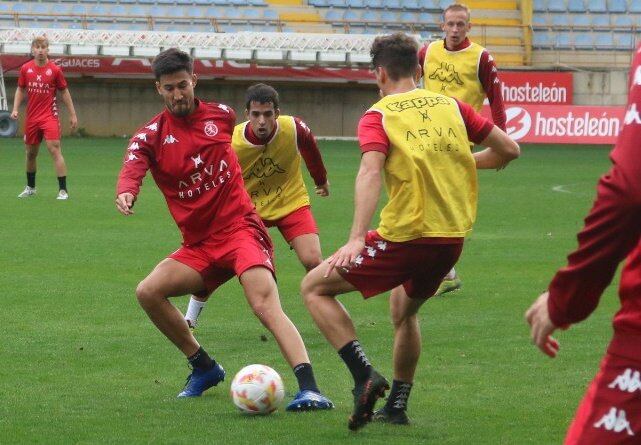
[(201, 360), (193, 310), (355, 359), (62, 182), (397, 400), (305, 376), (31, 179), (450, 275)]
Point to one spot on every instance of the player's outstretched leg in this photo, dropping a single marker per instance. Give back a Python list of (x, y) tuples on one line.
[(171, 278), (262, 295), (450, 283)]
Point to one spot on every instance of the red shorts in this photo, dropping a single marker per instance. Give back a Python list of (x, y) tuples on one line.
[(35, 131), (383, 265), (219, 259), (299, 222), (610, 412)]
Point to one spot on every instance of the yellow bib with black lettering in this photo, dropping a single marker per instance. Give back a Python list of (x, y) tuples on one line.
[(454, 73), (272, 172), (430, 174)]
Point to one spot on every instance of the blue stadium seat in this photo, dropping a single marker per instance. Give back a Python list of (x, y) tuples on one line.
[(539, 6), (411, 5), (428, 19), (352, 15), (194, 12), (20, 8), (583, 40), (408, 17), (97, 9), (118, 10), (40, 8), (333, 15), (375, 4), (138, 10), (604, 40), (580, 20), (624, 40), (147, 2), (563, 40), (540, 19), (391, 4), (617, 6), (560, 19), (600, 20), (543, 39), (635, 6), (597, 6), (389, 17), (257, 2), (556, 6), (623, 21), (576, 6), (336, 3), (356, 3), (370, 16), (251, 14), (270, 14)]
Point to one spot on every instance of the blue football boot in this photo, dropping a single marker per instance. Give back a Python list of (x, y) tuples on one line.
[(201, 380), (309, 401)]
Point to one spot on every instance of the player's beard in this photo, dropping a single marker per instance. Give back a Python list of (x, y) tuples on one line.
[(180, 109)]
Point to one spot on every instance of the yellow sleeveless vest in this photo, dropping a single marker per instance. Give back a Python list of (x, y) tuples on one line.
[(430, 174), (454, 73), (272, 172)]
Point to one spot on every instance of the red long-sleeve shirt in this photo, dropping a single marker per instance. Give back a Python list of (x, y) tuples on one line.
[(611, 233), (488, 77), (195, 168), (307, 148)]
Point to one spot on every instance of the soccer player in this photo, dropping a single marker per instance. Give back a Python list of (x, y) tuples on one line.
[(419, 141), (610, 412), (187, 148), (269, 148), (460, 68), (40, 80)]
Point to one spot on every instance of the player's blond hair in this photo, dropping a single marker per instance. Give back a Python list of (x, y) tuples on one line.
[(40, 41), (458, 7)]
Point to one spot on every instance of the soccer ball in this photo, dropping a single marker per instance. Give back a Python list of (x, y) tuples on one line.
[(257, 389)]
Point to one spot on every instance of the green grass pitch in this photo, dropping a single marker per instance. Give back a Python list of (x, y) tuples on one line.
[(81, 363)]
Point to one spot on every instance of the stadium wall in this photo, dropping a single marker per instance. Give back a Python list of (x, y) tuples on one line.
[(117, 107)]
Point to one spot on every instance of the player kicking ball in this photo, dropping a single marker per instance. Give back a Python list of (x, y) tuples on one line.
[(187, 148), (422, 150)]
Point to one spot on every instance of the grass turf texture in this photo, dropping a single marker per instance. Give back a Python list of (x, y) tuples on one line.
[(81, 363)]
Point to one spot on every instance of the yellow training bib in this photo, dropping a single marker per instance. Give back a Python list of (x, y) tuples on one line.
[(454, 73), (430, 174), (272, 172)]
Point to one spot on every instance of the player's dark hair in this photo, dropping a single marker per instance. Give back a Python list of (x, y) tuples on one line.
[(171, 61), (261, 93), (397, 53)]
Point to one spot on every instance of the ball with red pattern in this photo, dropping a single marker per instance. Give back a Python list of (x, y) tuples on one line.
[(257, 389)]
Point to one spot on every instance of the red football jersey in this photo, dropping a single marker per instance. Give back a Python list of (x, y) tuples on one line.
[(41, 84), (194, 166)]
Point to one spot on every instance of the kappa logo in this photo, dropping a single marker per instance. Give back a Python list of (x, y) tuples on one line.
[(29, 71), (518, 122), (637, 76), (197, 160), (359, 260), (371, 251), (141, 136), (169, 139), (381, 245), (446, 73), (223, 107), (211, 129), (134, 146), (152, 127), (628, 381), (264, 168), (131, 157), (615, 420), (632, 115)]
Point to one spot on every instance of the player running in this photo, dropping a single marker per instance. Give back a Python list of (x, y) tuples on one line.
[(40, 80), (269, 148), (419, 141), (187, 147)]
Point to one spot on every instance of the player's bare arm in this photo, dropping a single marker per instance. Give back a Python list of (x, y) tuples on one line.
[(366, 194), (17, 101), (500, 151), (66, 99), (124, 203)]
